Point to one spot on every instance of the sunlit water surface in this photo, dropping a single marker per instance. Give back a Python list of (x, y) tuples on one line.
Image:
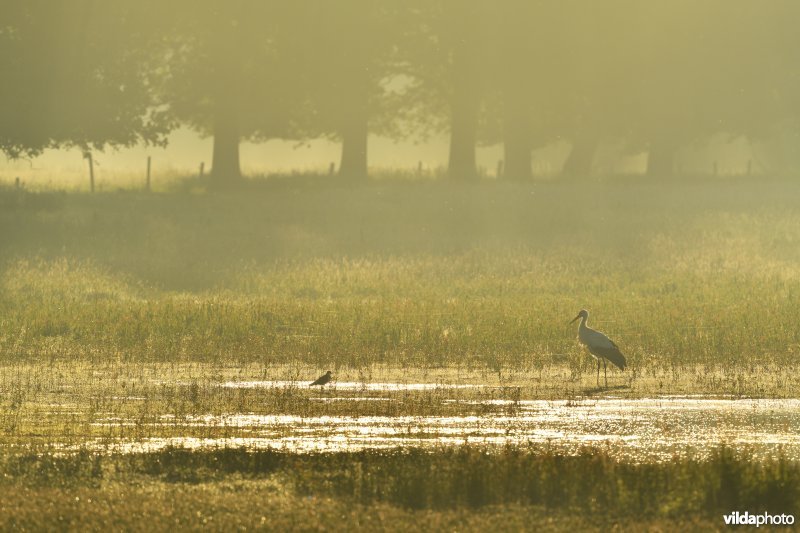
[(650, 429)]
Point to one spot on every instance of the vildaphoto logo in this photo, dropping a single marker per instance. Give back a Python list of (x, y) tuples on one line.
[(765, 519)]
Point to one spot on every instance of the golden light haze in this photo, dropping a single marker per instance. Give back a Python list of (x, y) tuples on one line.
[(509, 89)]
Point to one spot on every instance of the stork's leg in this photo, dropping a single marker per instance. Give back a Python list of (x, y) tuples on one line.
[(605, 372), (598, 372)]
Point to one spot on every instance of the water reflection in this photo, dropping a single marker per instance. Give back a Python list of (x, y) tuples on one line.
[(650, 429)]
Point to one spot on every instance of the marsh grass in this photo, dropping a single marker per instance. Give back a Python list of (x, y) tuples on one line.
[(130, 306), (246, 505), (406, 274), (470, 481)]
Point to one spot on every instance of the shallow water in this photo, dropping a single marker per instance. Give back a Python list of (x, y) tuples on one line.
[(650, 429), (347, 386)]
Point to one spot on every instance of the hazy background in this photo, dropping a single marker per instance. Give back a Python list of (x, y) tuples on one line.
[(497, 166), (462, 89)]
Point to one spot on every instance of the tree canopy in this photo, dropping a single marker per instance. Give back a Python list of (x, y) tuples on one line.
[(654, 76), (75, 74)]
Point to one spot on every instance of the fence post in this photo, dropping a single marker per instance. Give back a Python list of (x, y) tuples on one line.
[(147, 183), (202, 168)]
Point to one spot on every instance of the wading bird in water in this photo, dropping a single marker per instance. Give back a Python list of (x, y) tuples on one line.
[(600, 346), (322, 380)]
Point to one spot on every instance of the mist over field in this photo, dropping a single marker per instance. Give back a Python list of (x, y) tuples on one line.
[(312, 265)]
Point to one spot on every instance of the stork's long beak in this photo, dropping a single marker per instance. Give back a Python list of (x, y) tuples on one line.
[(574, 319)]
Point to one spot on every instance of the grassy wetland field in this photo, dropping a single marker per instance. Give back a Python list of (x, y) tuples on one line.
[(156, 351)]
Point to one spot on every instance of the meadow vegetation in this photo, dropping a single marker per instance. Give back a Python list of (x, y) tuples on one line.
[(133, 306), (422, 274), (462, 488)]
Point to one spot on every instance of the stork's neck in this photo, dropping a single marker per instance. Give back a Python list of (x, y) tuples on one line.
[(583, 322)]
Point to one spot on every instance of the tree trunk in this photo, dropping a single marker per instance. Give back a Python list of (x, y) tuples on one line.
[(578, 165), (461, 164), (661, 159), (354, 144), (225, 169), (516, 136), (464, 119)]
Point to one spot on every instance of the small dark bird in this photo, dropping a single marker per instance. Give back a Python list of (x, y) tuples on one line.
[(322, 380), (600, 346)]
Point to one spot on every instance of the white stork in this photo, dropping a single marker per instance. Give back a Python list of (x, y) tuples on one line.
[(600, 346)]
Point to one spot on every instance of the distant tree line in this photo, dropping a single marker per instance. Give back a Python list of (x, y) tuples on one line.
[(654, 76)]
